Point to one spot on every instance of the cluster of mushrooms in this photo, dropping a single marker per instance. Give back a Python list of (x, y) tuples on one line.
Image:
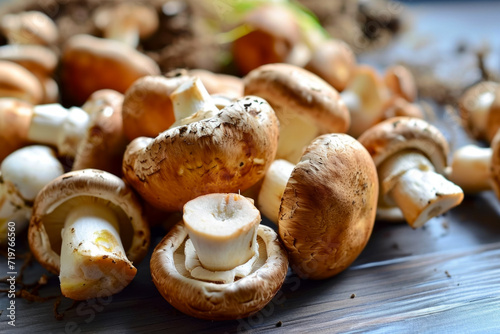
[(221, 149)]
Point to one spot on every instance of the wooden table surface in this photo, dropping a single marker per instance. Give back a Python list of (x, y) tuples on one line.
[(443, 278)]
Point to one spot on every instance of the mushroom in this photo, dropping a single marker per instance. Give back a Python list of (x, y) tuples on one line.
[(127, 22), (40, 61), (334, 61), (471, 168), (147, 106), (365, 97), (15, 117), (401, 82), (31, 27), (324, 206), (411, 156), (306, 105), (90, 64), (210, 151), (20, 182), (219, 84), (18, 82), (87, 226), (219, 263), (480, 110)]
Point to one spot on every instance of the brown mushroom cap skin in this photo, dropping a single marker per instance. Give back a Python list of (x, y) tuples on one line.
[(147, 107), (31, 27), (226, 153), (90, 64), (45, 238), (401, 82), (406, 133), (39, 60), (18, 82), (227, 301), (328, 207), (288, 87), (15, 118), (495, 164)]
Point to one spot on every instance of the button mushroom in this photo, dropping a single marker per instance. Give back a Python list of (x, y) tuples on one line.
[(15, 117), (20, 182), (90, 64), (220, 263), (470, 168), (306, 105), (324, 206), (31, 27), (18, 82), (210, 151), (411, 156), (401, 82), (87, 226)]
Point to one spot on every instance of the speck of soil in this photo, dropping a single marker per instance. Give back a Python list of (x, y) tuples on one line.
[(279, 324), (447, 274), (353, 296)]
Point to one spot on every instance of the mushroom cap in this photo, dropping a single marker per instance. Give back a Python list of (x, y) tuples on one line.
[(18, 82), (397, 106), (15, 119), (90, 64), (495, 164), (215, 301), (147, 107), (334, 61), (401, 82), (406, 133), (39, 60), (225, 153), (104, 143), (289, 88), (328, 207), (219, 84), (55, 200), (32, 27)]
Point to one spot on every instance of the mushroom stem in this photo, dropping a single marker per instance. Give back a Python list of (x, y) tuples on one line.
[(93, 260), (52, 124), (409, 179), (273, 186), (470, 168), (123, 33), (223, 229), (296, 132), (192, 103)]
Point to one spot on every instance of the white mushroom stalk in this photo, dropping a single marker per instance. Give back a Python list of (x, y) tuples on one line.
[(296, 132), (93, 260), (52, 124), (272, 189), (470, 168), (22, 175), (192, 103), (409, 180), (223, 231)]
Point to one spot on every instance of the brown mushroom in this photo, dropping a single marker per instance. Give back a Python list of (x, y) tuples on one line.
[(324, 206), (31, 27), (210, 151), (400, 81), (87, 226), (90, 64), (15, 117), (411, 156), (306, 105), (471, 168), (18, 82), (219, 257)]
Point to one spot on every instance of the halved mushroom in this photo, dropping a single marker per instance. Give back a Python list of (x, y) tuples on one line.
[(23, 173), (324, 206), (90, 64), (15, 117), (31, 27), (18, 82), (211, 151), (220, 263), (411, 156), (306, 105), (88, 227)]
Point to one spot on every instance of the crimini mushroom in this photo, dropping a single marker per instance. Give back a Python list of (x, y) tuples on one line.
[(31, 27), (324, 206), (15, 117), (147, 106), (210, 151), (410, 155), (18, 82), (127, 22), (40, 61), (480, 110), (401, 82), (87, 226), (220, 263), (333, 61), (90, 64), (306, 105), (23, 173)]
